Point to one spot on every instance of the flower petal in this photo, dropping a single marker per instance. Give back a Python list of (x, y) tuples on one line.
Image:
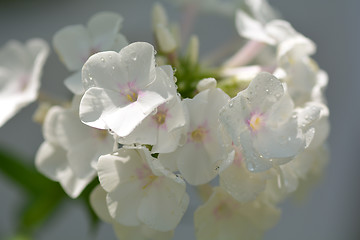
[(164, 205), (74, 84), (72, 44), (103, 28)]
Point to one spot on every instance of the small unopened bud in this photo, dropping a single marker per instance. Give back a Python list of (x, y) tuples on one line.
[(206, 83), (41, 111), (165, 40), (158, 15), (193, 49)]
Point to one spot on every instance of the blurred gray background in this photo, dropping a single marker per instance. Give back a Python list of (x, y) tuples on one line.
[(331, 212)]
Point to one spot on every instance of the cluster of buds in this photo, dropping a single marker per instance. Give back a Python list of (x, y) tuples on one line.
[(147, 122)]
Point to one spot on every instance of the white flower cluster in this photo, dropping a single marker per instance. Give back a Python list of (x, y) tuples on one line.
[(129, 126)]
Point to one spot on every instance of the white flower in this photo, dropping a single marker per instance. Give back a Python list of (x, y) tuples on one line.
[(260, 119), (162, 129), (76, 43), (141, 191), (142, 232), (204, 151), (300, 71), (51, 159), (263, 25), (83, 144), (299, 169), (222, 217), (239, 182), (123, 88), (298, 175), (20, 71)]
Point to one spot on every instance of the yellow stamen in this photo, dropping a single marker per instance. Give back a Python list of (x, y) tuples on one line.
[(132, 97), (152, 178), (198, 135), (160, 118), (255, 122)]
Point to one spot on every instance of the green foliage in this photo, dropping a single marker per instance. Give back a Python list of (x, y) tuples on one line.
[(188, 75)]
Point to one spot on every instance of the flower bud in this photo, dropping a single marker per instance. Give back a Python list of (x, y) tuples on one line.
[(165, 39), (206, 83), (193, 49), (158, 15)]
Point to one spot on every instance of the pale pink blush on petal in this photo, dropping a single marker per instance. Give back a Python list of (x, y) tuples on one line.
[(161, 117), (255, 122), (238, 158), (23, 82), (130, 91), (201, 134), (146, 177)]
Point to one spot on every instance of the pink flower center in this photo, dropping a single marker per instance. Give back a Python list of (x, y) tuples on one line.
[(146, 176), (129, 91), (255, 122)]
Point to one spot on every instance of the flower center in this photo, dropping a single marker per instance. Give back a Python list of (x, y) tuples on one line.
[(150, 179), (160, 117), (132, 96), (198, 134), (255, 122), (222, 211)]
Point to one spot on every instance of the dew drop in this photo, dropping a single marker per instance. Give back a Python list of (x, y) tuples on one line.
[(250, 166), (231, 104), (267, 91), (113, 67), (294, 115), (102, 59), (155, 52), (154, 112), (110, 56), (174, 70)]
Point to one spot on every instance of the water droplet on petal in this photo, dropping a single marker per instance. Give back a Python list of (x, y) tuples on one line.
[(155, 52), (113, 67), (102, 59), (250, 166), (231, 104), (174, 70), (110, 56), (267, 91)]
